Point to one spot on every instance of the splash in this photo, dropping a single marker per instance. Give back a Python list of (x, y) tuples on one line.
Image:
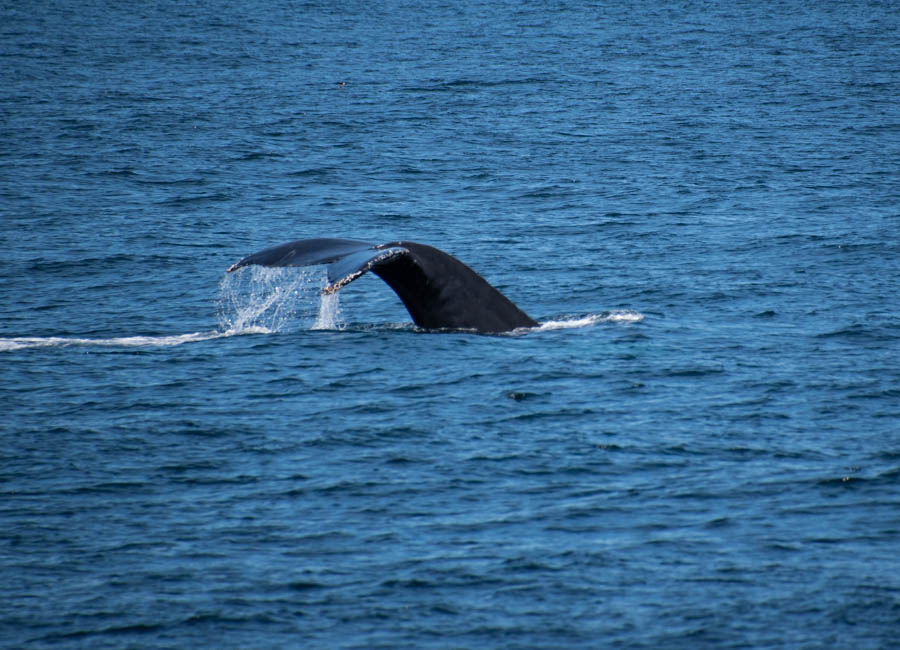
[(261, 300), (276, 300), (329, 317), (257, 300)]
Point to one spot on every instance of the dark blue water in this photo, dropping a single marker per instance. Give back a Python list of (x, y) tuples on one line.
[(700, 447)]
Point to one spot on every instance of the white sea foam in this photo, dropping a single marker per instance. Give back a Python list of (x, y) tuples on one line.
[(18, 343), (618, 316)]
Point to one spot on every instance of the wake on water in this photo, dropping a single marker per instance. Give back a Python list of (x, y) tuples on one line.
[(262, 300)]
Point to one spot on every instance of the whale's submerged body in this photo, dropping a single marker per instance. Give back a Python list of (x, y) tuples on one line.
[(438, 290)]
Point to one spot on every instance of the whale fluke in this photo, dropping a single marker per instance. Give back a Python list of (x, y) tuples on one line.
[(438, 290)]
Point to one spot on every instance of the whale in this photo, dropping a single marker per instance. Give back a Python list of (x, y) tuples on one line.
[(438, 290)]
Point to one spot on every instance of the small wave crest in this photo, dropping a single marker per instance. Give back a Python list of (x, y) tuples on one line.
[(616, 316)]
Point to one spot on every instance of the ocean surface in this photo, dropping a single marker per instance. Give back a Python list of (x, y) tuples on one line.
[(698, 448)]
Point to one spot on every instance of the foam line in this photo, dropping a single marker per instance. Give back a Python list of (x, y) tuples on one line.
[(19, 343), (625, 316)]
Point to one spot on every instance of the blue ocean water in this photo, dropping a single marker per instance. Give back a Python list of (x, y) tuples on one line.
[(700, 447)]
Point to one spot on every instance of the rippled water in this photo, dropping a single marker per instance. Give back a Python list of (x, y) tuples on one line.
[(698, 447)]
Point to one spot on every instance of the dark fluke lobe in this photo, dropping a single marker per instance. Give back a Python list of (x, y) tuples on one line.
[(438, 290)]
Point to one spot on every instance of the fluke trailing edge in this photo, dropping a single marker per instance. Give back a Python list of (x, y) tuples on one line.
[(439, 291)]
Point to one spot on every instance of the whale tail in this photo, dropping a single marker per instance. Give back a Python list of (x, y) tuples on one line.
[(438, 290)]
